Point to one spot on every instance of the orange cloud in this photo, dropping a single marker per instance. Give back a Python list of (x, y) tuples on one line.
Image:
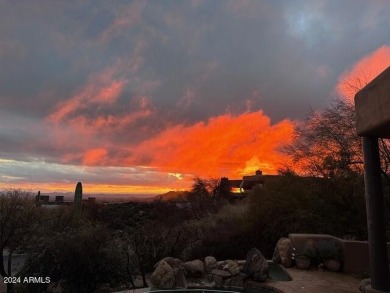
[(101, 89), (362, 72), (225, 145), (108, 123), (111, 92), (94, 156)]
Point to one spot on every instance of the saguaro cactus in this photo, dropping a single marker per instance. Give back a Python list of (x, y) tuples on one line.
[(78, 195)]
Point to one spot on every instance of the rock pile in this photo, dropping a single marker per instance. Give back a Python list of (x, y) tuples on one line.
[(173, 273)]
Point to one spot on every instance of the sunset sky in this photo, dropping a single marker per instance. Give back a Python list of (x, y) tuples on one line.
[(140, 96)]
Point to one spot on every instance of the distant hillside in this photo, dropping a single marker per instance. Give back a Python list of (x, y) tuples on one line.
[(172, 195)]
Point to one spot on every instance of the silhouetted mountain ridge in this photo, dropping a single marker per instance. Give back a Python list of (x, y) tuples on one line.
[(173, 195)]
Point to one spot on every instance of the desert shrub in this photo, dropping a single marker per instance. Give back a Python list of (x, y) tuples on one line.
[(120, 216), (283, 205), (340, 207), (168, 213), (206, 197), (224, 234), (20, 219), (329, 249), (81, 258)]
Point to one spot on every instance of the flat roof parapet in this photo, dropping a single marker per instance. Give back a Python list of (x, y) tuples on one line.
[(372, 105)]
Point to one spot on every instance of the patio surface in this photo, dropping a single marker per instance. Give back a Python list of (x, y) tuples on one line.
[(316, 281)]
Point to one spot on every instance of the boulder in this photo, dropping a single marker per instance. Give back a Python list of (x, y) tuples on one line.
[(180, 277), (363, 284), (220, 273), (218, 277), (173, 262), (178, 269), (210, 263), (195, 268), (236, 281), (283, 253), (232, 267), (256, 266), (163, 276)]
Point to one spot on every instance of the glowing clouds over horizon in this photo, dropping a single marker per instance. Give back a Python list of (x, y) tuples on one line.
[(362, 72), (100, 126), (225, 145)]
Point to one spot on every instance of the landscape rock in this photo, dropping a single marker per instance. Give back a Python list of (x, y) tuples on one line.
[(173, 262), (163, 276), (236, 281), (195, 268), (221, 273), (232, 267), (178, 269), (218, 277), (217, 281), (180, 278), (256, 266), (283, 253), (363, 284), (210, 263)]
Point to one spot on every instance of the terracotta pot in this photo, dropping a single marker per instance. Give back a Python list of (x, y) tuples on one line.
[(302, 262), (332, 265)]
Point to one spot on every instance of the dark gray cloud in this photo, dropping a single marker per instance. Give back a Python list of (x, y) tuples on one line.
[(48, 51), (187, 60)]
